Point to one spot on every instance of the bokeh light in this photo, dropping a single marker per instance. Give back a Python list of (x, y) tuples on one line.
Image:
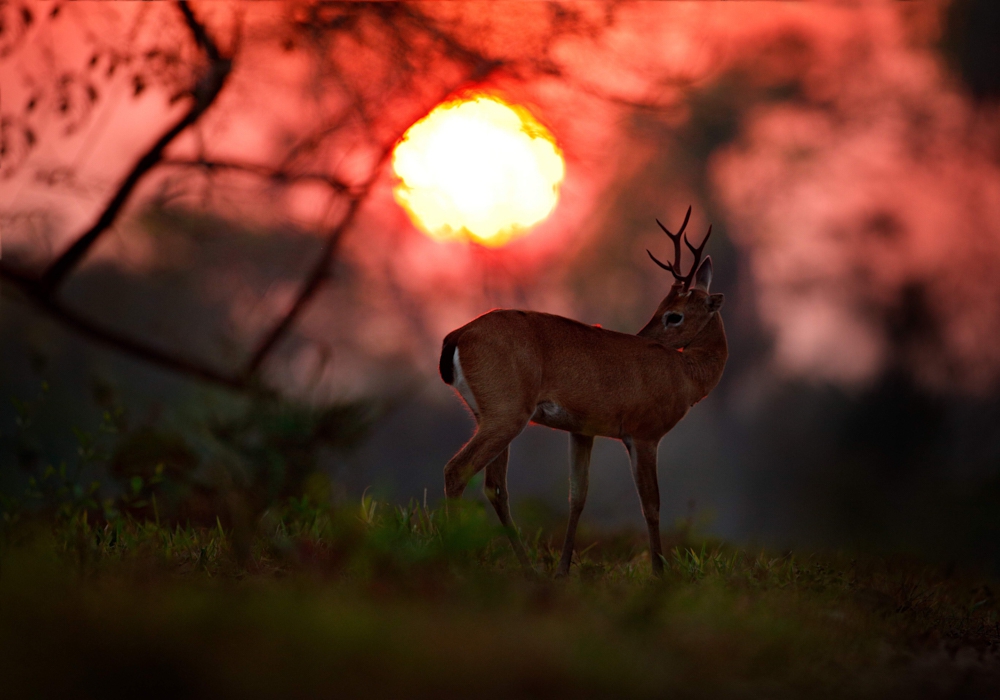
[(478, 169)]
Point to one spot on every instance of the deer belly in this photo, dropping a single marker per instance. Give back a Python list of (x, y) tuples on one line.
[(552, 415)]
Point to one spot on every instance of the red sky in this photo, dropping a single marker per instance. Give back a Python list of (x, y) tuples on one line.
[(877, 176)]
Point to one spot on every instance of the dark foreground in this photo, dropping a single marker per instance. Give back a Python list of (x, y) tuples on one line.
[(384, 602)]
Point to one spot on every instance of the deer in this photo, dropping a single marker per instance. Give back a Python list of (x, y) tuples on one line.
[(514, 367)]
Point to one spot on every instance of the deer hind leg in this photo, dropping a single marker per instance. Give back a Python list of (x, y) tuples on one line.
[(642, 455), (579, 478), (495, 489), (491, 438)]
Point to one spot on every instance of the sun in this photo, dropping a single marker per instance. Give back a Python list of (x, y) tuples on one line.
[(477, 169)]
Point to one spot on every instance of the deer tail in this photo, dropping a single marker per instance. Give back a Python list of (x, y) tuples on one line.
[(446, 365)]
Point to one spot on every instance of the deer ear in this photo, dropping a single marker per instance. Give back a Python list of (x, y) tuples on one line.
[(714, 302), (703, 278)]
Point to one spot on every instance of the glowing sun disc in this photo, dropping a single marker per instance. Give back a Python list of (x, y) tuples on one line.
[(477, 168)]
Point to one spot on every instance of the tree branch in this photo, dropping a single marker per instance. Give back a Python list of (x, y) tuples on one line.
[(321, 270), (480, 66), (278, 175), (316, 277), (35, 293), (204, 92), (201, 35), (40, 290)]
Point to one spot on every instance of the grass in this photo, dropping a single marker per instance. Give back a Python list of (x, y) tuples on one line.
[(379, 601)]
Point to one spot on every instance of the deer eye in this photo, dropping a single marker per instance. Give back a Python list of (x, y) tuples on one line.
[(673, 319)]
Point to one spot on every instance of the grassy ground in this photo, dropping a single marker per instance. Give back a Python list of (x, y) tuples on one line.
[(376, 601)]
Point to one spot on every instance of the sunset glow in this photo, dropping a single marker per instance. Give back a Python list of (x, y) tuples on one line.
[(478, 169)]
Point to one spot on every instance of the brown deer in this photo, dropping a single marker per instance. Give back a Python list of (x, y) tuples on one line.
[(514, 367)]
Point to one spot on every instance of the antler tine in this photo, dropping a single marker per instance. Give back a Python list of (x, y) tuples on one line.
[(697, 251), (685, 224), (666, 266), (681, 230), (675, 267), (697, 256), (675, 236)]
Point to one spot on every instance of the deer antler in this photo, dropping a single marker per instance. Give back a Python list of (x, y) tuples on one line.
[(674, 268)]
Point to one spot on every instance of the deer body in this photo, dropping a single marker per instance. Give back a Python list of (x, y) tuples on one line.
[(513, 367), (551, 367)]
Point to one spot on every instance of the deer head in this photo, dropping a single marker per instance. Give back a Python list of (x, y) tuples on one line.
[(686, 310)]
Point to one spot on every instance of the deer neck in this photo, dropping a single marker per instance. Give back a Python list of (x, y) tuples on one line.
[(705, 357)]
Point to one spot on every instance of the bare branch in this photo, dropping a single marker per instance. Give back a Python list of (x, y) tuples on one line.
[(319, 273), (205, 91), (201, 35), (31, 290), (480, 65), (276, 174), (40, 290), (321, 270)]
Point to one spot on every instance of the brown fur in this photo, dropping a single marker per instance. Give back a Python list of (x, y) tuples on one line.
[(526, 366)]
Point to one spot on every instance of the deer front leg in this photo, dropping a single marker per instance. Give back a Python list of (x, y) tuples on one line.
[(642, 454), (495, 488), (579, 477)]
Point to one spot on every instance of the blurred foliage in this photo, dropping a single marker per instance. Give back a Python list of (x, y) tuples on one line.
[(378, 599), (971, 47), (214, 560), (225, 465)]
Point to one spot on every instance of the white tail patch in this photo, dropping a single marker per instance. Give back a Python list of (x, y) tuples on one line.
[(462, 385)]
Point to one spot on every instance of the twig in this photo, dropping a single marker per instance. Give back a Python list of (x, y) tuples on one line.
[(205, 91), (316, 277), (41, 290), (33, 291), (278, 175)]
